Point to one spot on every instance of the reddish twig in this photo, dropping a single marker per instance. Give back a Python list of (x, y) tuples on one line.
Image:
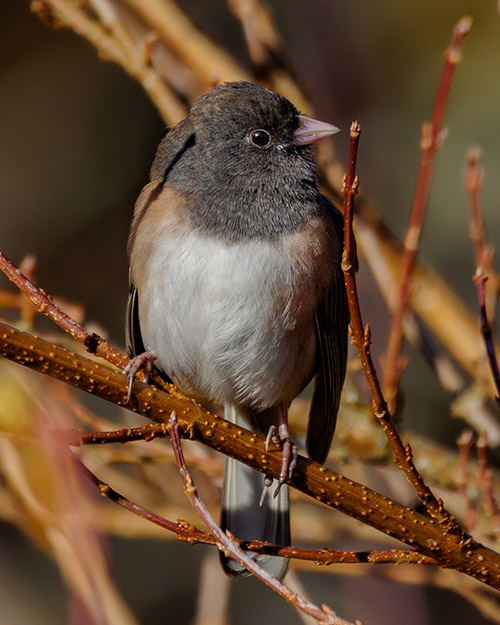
[(473, 177), (145, 432), (227, 545), (182, 529), (93, 343), (483, 252), (361, 337), (483, 256), (432, 138), (45, 304), (192, 535), (486, 330)]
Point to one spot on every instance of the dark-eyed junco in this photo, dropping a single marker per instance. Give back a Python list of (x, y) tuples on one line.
[(236, 286)]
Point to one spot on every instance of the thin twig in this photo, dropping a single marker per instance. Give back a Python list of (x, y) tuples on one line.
[(93, 343), (145, 432), (483, 252), (263, 41), (486, 278), (75, 16), (270, 63), (487, 331), (227, 545), (45, 304), (473, 177), (182, 529), (210, 62), (433, 300), (432, 138), (361, 337), (191, 534)]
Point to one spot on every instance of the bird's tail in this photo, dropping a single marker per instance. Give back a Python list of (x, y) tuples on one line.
[(241, 494)]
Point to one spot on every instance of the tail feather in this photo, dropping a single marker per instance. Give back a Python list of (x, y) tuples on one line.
[(241, 513)]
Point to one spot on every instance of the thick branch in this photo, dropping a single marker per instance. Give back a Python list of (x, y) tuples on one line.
[(432, 539)]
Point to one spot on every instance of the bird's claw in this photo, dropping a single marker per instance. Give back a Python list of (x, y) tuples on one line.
[(288, 462), (281, 437), (144, 361)]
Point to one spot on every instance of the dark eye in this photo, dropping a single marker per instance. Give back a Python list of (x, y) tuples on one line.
[(260, 138)]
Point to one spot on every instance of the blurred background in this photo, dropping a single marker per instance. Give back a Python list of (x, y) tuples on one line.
[(78, 136)]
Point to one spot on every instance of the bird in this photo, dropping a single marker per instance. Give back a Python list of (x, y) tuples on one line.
[(236, 290)]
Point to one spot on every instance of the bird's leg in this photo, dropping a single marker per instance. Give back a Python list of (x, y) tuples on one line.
[(289, 450), (142, 361), (281, 436)]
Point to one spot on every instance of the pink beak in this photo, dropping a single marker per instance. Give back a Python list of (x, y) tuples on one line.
[(311, 130)]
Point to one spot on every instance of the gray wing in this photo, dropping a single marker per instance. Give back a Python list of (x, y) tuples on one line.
[(133, 337), (331, 320)]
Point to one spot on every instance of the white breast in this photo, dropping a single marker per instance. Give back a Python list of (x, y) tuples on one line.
[(233, 323)]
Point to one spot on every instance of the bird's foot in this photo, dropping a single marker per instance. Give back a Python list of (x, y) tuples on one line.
[(280, 436), (144, 361)]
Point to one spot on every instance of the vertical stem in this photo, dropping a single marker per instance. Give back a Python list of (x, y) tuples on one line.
[(361, 338), (432, 138)]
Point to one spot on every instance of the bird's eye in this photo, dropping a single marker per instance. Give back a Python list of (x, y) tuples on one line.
[(260, 138)]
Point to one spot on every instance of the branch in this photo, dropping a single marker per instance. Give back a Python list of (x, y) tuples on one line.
[(361, 337), (92, 342), (44, 303), (210, 62), (131, 58), (483, 256), (431, 539), (432, 138), (188, 533), (487, 331)]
